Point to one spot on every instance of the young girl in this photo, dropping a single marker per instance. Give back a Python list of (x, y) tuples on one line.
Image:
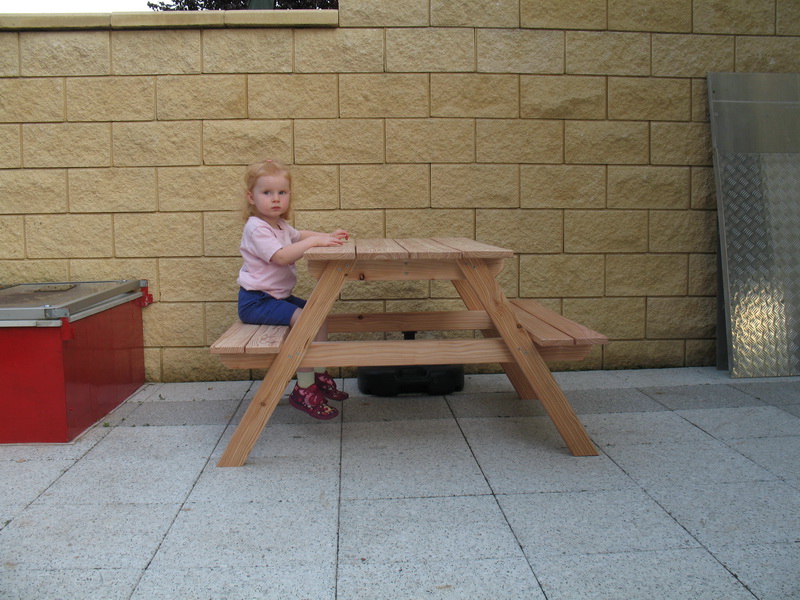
[(270, 247)]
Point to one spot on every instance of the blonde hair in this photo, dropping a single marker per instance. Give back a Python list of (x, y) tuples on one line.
[(261, 169)]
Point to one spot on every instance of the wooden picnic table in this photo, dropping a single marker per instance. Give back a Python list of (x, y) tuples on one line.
[(519, 334)]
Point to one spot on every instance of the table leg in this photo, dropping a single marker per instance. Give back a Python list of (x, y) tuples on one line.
[(285, 364), (532, 367), (512, 370)]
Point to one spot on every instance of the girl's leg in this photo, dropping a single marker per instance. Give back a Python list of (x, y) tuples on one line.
[(318, 375)]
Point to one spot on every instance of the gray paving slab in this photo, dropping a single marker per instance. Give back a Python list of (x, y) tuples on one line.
[(596, 522), (402, 459), (700, 396), (769, 570), (695, 494), (525, 455), (479, 579), (734, 514), (659, 574)]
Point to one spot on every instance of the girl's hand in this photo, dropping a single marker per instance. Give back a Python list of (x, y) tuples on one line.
[(341, 234), (327, 240)]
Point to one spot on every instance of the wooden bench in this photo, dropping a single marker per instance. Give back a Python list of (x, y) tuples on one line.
[(556, 337)]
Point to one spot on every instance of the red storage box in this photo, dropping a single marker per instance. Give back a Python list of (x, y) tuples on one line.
[(69, 354)]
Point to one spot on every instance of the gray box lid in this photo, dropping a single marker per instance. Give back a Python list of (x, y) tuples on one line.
[(32, 304)]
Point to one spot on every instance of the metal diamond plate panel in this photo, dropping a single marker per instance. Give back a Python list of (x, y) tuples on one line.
[(756, 137)]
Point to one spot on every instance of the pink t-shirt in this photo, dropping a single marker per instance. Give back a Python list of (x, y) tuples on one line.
[(260, 241)]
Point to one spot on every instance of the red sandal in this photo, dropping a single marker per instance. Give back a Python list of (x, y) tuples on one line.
[(327, 386), (310, 400)]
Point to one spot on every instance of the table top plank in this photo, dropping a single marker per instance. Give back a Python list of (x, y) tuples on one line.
[(426, 248), (380, 249), (346, 251), (473, 249)]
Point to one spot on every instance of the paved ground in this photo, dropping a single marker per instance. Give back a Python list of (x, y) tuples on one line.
[(696, 494)]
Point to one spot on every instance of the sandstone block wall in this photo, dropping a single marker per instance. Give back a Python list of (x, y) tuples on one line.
[(573, 131)]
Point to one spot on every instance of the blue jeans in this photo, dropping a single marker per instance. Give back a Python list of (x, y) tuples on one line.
[(259, 308)]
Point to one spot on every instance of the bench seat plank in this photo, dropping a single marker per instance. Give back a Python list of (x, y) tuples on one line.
[(235, 339), (580, 333)]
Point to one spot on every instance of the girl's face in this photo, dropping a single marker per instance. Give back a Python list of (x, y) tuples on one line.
[(270, 196)]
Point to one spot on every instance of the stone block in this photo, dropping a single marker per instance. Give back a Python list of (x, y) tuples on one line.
[(475, 13), (430, 140), (692, 55), (112, 190), (156, 143), (744, 17), (646, 274), (430, 222), (520, 51), (158, 235), (31, 191), (111, 98), (338, 50), (671, 318), (606, 142), (68, 236), (519, 141), (62, 53), (768, 54), (701, 353), (680, 144), (184, 97), (10, 146), (605, 231), (683, 231), (218, 317), (562, 97), (240, 142), (384, 13), (561, 275), (66, 145), (12, 237), (618, 318), (474, 95), (173, 324), (788, 20), (222, 233), (650, 15), (562, 186), (649, 99), (474, 186), (432, 49), (31, 99), (607, 53), (9, 54), (700, 100), (194, 364), (525, 230), (201, 188), (315, 187), (563, 14), (198, 279), (292, 96), (383, 95), (264, 50), (648, 187), (25, 271), (702, 275), (338, 141), (359, 223), (385, 186), (704, 190), (644, 354), (156, 52), (109, 269)]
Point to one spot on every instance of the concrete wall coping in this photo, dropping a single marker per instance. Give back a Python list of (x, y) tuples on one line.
[(170, 20)]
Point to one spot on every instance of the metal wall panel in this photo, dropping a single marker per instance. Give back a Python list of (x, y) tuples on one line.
[(755, 128)]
